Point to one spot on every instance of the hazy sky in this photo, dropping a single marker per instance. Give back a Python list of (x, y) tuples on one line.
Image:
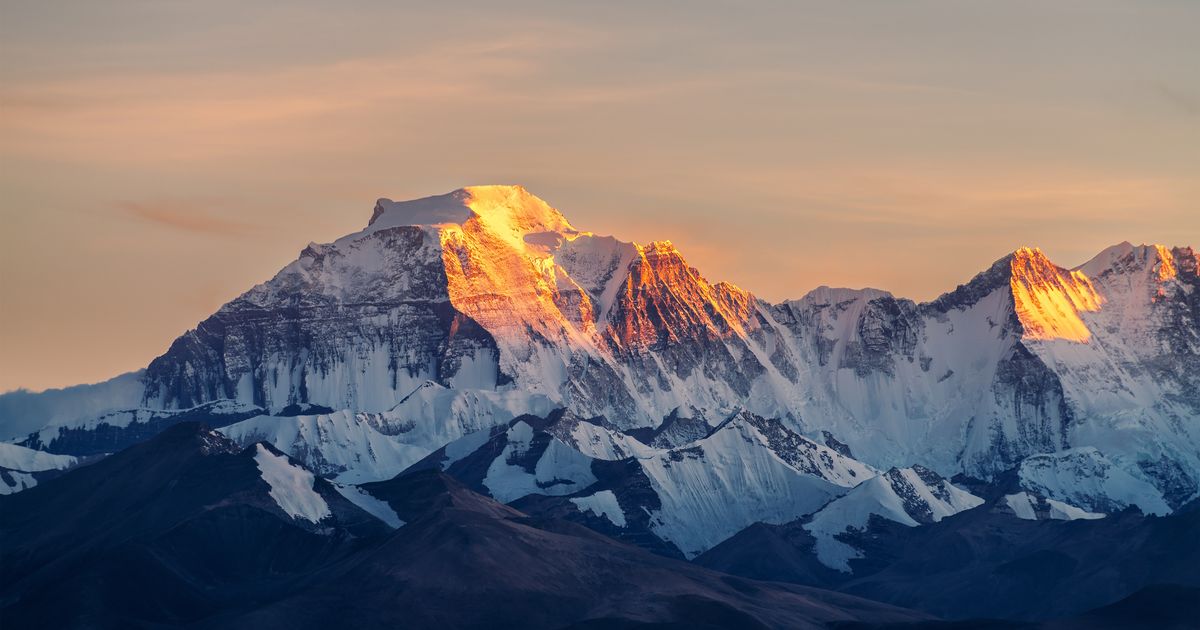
[(157, 158)]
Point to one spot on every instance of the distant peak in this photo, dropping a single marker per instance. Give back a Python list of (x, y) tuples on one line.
[(1126, 257), (1047, 299), (825, 294)]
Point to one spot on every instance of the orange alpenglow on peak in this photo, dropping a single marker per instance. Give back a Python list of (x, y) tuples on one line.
[(510, 212), (665, 300), (1049, 299), (516, 205), (1166, 264)]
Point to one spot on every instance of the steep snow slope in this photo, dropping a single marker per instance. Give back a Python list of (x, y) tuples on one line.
[(749, 470), (371, 505), (909, 496), (291, 486)]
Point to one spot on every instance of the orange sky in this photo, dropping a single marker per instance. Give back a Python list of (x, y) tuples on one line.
[(156, 159)]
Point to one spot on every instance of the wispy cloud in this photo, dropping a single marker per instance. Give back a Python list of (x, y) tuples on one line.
[(213, 115), (1187, 103), (185, 216)]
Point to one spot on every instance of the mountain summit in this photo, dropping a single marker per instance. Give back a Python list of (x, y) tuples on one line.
[(503, 209)]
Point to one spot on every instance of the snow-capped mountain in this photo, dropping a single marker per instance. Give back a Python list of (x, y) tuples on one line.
[(748, 470), (452, 314), (909, 496)]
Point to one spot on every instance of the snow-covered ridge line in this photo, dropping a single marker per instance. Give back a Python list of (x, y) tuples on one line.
[(14, 457), (494, 298)]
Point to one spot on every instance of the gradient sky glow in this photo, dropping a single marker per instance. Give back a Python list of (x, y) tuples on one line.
[(157, 158)]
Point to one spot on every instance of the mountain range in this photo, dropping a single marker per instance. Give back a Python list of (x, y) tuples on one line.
[(479, 343)]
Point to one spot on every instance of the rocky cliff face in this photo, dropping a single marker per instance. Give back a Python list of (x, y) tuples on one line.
[(356, 324)]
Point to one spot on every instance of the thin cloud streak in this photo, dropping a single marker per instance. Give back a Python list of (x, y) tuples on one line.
[(1185, 103), (185, 217)]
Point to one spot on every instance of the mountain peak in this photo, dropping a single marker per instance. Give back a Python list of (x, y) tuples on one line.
[(510, 213), (1105, 259), (1048, 298), (1155, 259), (438, 209), (1031, 262)]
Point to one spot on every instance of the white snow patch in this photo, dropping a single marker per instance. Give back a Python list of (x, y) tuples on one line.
[(291, 487), (1022, 505), (1064, 512), (603, 503), (369, 504)]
